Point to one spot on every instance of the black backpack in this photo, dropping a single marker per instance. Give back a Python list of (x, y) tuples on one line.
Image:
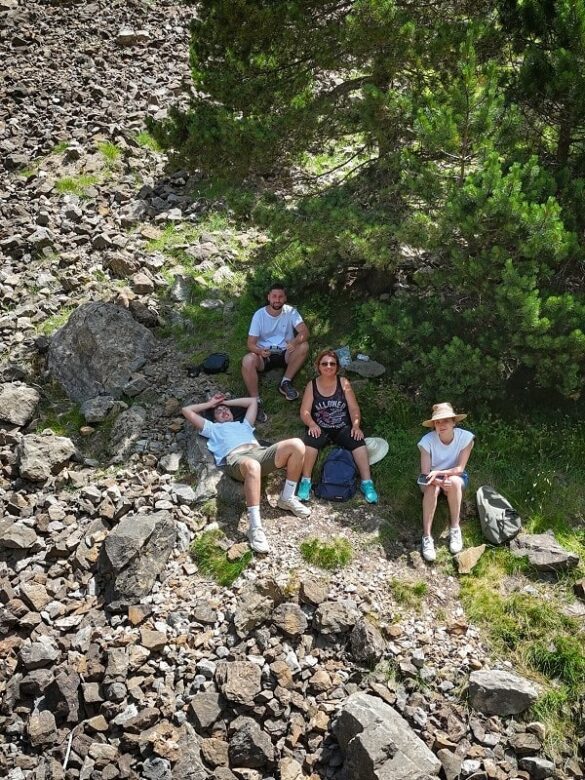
[(216, 363), (338, 480)]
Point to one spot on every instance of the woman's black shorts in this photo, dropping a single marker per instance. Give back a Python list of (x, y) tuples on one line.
[(340, 436)]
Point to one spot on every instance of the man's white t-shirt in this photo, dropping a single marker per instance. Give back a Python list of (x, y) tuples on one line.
[(225, 437), (445, 456), (272, 331)]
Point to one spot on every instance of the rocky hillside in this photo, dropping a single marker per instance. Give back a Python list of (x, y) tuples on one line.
[(117, 658)]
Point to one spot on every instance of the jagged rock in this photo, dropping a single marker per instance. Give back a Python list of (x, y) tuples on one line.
[(290, 619), (239, 681), (579, 589), (543, 552), (206, 708), (42, 729), (126, 431), (253, 609), (98, 350), (496, 692), (451, 763), (538, 768), (367, 643), (17, 402), (378, 744), (215, 752), (249, 746), (41, 456), (135, 553), (40, 653), (17, 536), (189, 765), (97, 409), (313, 591), (334, 617), (366, 368), (468, 558)]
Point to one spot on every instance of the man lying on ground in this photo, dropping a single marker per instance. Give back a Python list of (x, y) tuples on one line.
[(233, 445)]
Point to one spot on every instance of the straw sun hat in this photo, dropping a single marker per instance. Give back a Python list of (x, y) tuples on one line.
[(443, 412)]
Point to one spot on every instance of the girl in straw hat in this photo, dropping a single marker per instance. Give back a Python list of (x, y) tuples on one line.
[(444, 453)]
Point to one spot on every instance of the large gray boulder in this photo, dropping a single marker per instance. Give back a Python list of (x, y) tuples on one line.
[(543, 552), (98, 350), (135, 553), (495, 692), (41, 456), (378, 744), (17, 403)]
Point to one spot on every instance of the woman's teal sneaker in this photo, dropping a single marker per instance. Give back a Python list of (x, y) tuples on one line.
[(304, 489), (369, 491)]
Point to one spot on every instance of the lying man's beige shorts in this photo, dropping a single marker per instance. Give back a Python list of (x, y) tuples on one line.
[(265, 456)]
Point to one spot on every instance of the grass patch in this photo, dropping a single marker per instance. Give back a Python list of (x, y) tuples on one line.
[(145, 140), (62, 423), (211, 558), (408, 594), (110, 152), (56, 321), (327, 555), (61, 147), (76, 185)]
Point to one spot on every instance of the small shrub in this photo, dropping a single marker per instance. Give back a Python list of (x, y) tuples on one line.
[(211, 558), (409, 594), (327, 555), (562, 659)]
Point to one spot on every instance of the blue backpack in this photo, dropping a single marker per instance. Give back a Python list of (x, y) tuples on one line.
[(338, 480)]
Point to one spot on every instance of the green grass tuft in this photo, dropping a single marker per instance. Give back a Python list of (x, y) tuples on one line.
[(409, 594), (147, 141), (110, 152), (76, 185), (56, 321), (327, 555), (211, 558)]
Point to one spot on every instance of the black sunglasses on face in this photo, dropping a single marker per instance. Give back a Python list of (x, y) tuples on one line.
[(328, 363)]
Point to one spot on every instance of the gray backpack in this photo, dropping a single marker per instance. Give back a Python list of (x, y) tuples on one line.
[(499, 520)]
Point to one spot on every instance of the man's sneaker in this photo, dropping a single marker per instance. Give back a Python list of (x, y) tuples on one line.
[(428, 549), (287, 390), (257, 540), (261, 416), (304, 489), (455, 540), (293, 505), (369, 491)]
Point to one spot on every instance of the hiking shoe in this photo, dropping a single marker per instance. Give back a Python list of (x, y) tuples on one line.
[(293, 505), (304, 489), (369, 491), (455, 540), (261, 416), (428, 549), (287, 390), (257, 540)]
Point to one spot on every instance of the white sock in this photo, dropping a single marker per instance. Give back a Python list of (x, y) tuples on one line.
[(288, 490), (285, 379), (254, 517)]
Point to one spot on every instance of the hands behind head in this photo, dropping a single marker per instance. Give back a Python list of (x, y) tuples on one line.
[(217, 399)]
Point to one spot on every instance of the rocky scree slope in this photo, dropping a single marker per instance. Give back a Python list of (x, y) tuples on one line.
[(116, 658)]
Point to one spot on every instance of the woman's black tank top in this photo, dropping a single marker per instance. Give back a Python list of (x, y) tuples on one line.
[(330, 411)]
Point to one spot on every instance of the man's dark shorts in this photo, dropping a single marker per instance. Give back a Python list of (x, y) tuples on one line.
[(276, 359), (340, 436)]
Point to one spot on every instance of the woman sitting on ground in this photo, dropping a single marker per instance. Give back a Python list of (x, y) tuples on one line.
[(332, 416), (444, 453)]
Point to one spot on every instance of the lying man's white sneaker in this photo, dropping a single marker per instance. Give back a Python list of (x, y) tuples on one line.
[(257, 540), (428, 549), (455, 540), (293, 505)]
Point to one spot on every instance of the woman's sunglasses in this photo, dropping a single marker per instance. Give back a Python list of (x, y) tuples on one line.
[(327, 363)]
